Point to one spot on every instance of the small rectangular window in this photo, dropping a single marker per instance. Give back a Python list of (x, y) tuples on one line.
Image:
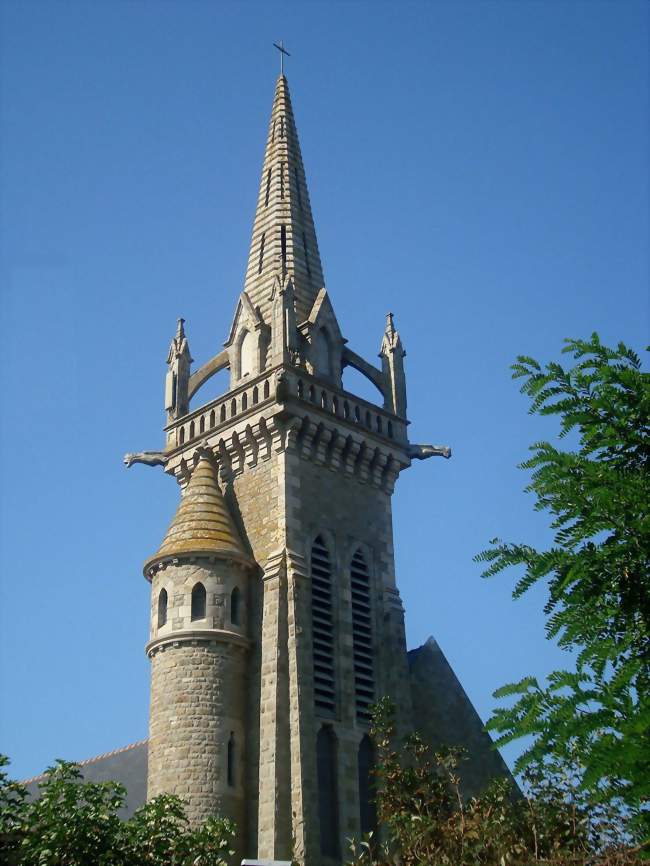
[(261, 261), (295, 174), (304, 246), (283, 246)]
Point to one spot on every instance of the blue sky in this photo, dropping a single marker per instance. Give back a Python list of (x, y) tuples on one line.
[(478, 168)]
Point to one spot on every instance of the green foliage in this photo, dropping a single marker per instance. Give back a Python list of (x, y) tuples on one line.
[(427, 821), (597, 572), (76, 823)]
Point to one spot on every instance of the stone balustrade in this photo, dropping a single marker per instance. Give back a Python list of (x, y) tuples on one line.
[(298, 387)]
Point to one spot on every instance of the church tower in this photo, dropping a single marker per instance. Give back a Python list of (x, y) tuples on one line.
[(275, 617)]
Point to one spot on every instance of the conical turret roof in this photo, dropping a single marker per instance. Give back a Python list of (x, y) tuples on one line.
[(284, 238), (202, 523)]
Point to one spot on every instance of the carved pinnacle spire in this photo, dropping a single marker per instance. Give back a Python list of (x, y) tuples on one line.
[(391, 340)]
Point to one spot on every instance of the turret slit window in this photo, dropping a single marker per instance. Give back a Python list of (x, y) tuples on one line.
[(162, 608), (267, 390), (202, 424), (268, 188), (362, 649), (295, 173), (328, 806), (235, 611), (260, 264), (367, 807), (281, 180), (304, 246), (231, 761), (256, 395), (213, 418), (322, 629), (283, 245), (222, 413), (233, 407), (198, 601)]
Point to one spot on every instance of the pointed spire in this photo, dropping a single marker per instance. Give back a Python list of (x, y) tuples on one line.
[(202, 523), (284, 239)]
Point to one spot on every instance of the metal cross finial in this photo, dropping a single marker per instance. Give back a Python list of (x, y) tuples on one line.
[(282, 51)]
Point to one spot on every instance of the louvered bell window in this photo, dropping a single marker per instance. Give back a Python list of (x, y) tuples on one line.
[(364, 676), (322, 629)]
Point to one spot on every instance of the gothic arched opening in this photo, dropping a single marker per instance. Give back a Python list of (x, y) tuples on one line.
[(162, 607), (235, 606), (198, 601), (328, 805), (367, 807)]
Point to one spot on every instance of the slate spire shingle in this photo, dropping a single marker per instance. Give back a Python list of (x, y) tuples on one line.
[(284, 238)]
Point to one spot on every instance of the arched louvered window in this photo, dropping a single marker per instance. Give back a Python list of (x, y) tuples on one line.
[(367, 807), (198, 601), (328, 806), (322, 629), (230, 767), (235, 611), (362, 649), (162, 607)]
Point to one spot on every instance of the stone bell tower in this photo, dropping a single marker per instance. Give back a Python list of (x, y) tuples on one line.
[(275, 616)]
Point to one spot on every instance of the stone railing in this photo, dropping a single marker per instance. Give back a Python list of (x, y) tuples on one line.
[(346, 406), (292, 386), (244, 399)]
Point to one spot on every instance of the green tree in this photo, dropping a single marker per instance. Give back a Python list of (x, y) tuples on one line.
[(597, 572), (76, 823), (428, 821)]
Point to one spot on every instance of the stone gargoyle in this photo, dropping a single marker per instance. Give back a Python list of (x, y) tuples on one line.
[(423, 452)]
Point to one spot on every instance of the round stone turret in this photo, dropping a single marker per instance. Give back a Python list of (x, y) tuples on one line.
[(198, 652)]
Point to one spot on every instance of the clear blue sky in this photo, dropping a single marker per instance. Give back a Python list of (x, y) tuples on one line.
[(479, 168)]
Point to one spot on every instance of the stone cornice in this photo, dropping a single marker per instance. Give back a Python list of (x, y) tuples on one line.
[(301, 414), (196, 636), (157, 562)]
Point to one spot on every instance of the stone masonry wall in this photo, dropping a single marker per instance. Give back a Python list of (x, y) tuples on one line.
[(197, 702), (348, 515)]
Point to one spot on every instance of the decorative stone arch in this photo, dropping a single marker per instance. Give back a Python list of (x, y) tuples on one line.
[(247, 342), (323, 341), (372, 374)]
